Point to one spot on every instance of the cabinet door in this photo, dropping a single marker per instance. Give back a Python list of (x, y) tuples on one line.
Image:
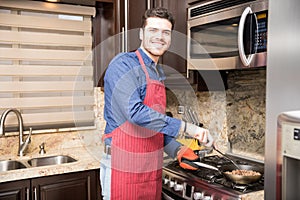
[(74, 186), (176, 56), (136, 9), (103, 28), (119, 21), (128, 21), (16, 190)]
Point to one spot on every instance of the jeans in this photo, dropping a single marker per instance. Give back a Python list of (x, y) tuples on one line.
[(105, 175)]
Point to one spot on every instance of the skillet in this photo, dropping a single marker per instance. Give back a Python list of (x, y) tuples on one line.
[(238, 179)]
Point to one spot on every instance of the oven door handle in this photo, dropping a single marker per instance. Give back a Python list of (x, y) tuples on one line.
[(246, 61)]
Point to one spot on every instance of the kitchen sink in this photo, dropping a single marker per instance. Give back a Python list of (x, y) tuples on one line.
[(50, 160), (7, 165)]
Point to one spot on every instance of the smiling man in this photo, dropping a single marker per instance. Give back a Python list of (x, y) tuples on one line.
[(156, 37), (138, 130)]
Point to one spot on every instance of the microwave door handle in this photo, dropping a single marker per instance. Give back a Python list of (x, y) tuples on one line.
[(246, 61)]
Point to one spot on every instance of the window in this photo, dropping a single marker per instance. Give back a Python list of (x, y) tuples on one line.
[(46, 68)]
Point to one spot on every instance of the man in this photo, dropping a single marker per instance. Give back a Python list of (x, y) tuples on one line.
[(137, 128)]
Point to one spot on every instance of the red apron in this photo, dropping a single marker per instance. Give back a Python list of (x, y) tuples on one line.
[(137, 152)]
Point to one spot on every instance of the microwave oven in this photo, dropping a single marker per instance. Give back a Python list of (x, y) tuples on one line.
[(226, 34)]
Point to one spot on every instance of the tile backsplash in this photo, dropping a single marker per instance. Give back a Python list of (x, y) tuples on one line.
[(236, 117), (246, 110)]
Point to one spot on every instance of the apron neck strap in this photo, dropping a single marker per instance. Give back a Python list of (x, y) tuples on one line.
[(142, 63)]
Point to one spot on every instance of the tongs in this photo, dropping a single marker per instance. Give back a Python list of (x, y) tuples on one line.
[(225, 156)]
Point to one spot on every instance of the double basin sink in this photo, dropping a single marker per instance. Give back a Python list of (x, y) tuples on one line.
[(7, 165)]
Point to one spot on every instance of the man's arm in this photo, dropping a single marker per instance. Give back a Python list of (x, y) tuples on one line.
[(171, 146)]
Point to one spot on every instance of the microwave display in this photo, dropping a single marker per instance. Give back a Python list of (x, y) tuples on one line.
[(220, 39)]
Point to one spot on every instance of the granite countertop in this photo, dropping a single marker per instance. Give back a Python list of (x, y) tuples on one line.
[(259, 195), (85, 161)]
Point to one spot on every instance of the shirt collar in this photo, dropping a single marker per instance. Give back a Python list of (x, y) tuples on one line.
[(149, 62)]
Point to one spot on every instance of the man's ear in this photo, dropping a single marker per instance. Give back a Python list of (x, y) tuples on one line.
[(141, 34)]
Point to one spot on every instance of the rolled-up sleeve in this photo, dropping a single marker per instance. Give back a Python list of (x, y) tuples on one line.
[(171, 146)]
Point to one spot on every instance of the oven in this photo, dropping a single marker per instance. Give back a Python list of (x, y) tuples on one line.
[(207, 183), (227, 34), (288, 155)]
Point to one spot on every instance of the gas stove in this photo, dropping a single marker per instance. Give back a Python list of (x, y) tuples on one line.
[(205, 183)]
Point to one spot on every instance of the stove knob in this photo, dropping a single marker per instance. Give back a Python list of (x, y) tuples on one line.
[(166, 181), (178, 187), (198, 195), (171, 183)]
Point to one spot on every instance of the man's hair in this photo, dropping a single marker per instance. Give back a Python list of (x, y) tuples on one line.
[(160, 13)]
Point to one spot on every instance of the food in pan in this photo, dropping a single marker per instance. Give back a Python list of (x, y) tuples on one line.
[(243, 172)]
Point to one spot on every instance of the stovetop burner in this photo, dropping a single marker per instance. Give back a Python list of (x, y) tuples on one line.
[(243, 188), (214, 177)]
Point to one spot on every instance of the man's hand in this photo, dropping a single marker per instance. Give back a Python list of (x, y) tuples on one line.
[(199, 133), (185, 157)]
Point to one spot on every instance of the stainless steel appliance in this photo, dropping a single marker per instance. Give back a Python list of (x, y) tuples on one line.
[(226, 34), (288, 164), (206, 183)]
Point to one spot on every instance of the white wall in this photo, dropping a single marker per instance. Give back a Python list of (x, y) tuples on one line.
[(283, 77)]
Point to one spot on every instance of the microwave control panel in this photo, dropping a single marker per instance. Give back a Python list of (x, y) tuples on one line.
[(262, 20)]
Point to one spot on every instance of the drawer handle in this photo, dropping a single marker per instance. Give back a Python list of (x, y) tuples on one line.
[(27, 193), (35, 193)]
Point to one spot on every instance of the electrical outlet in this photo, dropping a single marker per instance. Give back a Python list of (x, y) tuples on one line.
[(180, 110)]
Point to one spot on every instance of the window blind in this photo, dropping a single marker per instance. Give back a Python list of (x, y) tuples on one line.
[(46, 69)]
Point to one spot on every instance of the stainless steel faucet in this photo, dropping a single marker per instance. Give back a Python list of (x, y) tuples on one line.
[(23, 144)]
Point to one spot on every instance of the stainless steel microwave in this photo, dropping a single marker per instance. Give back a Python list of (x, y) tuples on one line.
[(227, 34)]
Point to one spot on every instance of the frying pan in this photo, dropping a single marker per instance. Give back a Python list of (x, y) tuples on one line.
[(242, 179), (239, 179)]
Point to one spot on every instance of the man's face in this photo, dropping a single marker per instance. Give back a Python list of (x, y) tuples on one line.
[(156, 36)]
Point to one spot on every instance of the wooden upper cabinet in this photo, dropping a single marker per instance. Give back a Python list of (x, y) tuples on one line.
[(103, 31), (179, 10), (129, 21), (125, 20), (176, 56), (136, 9)]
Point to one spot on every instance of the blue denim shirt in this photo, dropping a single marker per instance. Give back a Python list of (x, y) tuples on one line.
[(124, 93)]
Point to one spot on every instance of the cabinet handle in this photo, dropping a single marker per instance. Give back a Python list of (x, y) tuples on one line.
[(27, 193), (35, 193), (148, 4), (123, 40), (126, 26)]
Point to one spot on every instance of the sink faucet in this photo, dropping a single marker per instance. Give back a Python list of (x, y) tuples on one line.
[(22, 144)]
